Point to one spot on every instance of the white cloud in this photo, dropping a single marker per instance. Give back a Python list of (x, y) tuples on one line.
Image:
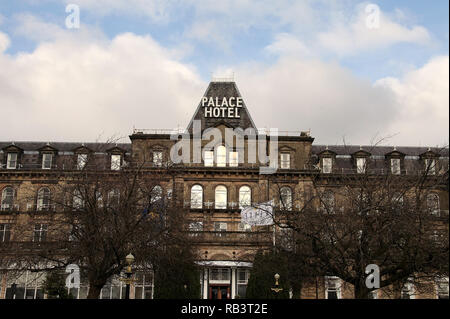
[(361, 33), (301, 94), (78, 85), (31, 27), (4, 42), (422, 100), (221, 22), (287, 44), (77, 90), (157, 10)]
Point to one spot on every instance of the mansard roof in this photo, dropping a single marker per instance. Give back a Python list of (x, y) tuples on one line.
[(65, 146), (378, 150)]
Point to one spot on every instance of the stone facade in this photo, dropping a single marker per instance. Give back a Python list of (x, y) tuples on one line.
[(226, 248)]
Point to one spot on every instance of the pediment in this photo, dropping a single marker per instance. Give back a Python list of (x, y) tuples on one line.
[(82, 149), (12, 148), (47, 148)]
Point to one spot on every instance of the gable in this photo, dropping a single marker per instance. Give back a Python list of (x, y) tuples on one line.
[(222, 103)]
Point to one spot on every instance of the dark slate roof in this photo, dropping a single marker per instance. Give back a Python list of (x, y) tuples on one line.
[(378, 150), (223, 90), (66, 146)]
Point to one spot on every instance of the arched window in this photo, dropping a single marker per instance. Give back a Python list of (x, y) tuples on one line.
[(197, 196), (220, 197), (221, 156), (7, 198), (397, 200), (245, 197), (286, 198), (99, 198), (43, 199), (433, 204), (78, 201), (156, 194), (328, 201), (113, 197)]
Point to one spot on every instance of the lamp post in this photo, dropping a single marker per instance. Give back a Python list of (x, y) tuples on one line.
[(129, 260), (276, 289)]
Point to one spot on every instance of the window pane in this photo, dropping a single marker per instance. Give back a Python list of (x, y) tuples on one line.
[(242, 290), (327, 165), (138, 293), (433, 204), (244, 197), (157, 158), (147, 292), (209, 158), (115, 162), (47, 161), (81, 161), (361, 165), (156, 194), (196, 226), (395, 166), (43, 201), (221, 197), (328, 201), (234, 159), (221, 156), (196, 196), (285, 160), (12, 160), (286, 198), (430, 166), (7, 198), (332, 294)]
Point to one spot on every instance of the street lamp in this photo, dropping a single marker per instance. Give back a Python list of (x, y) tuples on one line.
[(129, 260), (276, 289)]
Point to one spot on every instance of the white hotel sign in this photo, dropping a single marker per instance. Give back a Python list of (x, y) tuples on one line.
[(222, 107)]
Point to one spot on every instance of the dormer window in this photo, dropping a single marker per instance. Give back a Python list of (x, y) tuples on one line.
[(395, 166), (430, 166), (327, 165), (11, 162), (47, 160), (285, 161), (361, 165), (115, 162), (395, 161), (81, 161)]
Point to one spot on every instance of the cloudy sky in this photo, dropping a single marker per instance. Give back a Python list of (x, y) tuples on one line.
[(352, 70)]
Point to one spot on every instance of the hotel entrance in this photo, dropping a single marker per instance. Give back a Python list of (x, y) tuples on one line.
[(219, 292)]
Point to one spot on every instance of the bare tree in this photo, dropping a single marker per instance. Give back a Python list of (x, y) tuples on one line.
[(96, 216), (337, 226)]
